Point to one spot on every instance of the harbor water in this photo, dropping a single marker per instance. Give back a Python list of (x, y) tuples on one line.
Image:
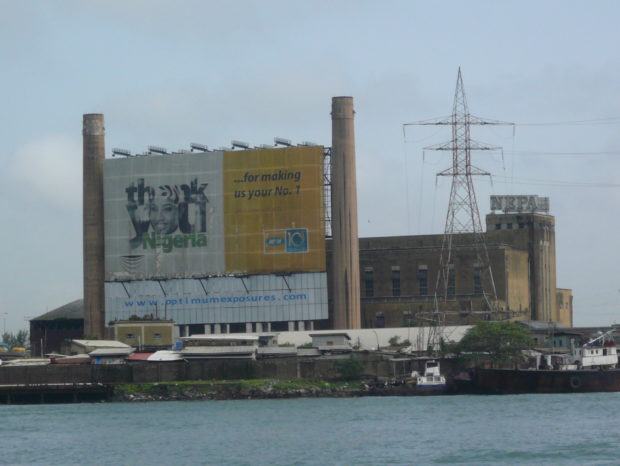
[(523, 429)]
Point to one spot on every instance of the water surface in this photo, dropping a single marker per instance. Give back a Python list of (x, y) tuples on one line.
[(521, 429)]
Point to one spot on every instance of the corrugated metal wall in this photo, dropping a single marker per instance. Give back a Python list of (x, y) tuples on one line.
[(256, 298)]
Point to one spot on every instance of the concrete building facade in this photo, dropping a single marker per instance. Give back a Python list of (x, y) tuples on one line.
[(535, 234), (399, 276), (146, 335)]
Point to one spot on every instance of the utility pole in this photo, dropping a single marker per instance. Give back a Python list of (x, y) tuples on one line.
[(463, 215), (3, 314)]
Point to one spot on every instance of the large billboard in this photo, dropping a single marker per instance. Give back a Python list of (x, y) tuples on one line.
[(216, 213), (273, 210)]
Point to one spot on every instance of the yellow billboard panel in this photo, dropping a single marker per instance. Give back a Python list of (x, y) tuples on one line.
[(273, 210)]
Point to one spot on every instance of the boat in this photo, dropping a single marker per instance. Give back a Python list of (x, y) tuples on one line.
[(591, 367), (600, 352), (431, 380)]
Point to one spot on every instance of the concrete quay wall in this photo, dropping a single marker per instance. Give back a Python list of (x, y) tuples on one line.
[(231, 369)]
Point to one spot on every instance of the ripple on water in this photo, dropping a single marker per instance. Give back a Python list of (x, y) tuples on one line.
[(525, 429)]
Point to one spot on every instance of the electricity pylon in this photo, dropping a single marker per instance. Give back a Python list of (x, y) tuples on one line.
[(463, 215)]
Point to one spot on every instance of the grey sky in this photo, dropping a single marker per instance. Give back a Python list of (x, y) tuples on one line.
[(169, 73)]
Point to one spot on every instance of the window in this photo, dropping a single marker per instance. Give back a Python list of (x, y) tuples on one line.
[(477, 280), (395, 280), (498, 226), (451, 291), (423, 280), (237, 327), (521, 226), (157, 336), (196, 329), (130, 336), (509, 226), (369, 284)]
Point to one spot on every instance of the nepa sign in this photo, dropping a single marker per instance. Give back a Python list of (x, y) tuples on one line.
[(516, 204)]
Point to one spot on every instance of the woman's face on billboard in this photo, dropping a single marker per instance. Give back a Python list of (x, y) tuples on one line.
[(164, 216)]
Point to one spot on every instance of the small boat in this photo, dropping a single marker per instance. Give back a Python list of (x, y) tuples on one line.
[(432, 378)]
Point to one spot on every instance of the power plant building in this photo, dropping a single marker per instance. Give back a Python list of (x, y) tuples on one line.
[(399, 275), (250, 240)]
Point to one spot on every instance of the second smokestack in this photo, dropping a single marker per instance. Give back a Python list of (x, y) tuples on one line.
[(345, 273)]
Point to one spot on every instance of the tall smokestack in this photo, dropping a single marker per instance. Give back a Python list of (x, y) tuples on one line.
[(345, 276), (93, 133)]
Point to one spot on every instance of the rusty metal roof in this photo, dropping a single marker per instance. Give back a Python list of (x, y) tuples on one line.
[(72, 310)]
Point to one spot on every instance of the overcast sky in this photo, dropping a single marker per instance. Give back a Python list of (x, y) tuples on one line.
[(169, 73)]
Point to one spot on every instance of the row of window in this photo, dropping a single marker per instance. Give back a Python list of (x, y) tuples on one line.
[(509, 226), (423, 290), (521, 226), (132, 336)]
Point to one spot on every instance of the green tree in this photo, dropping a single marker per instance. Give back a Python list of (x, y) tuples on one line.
[(500, 344), (16, 339), (395, 341)]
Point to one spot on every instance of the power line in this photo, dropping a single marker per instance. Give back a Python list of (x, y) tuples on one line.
[(574, 184), (596, 121), (531, 152), (479, 121)]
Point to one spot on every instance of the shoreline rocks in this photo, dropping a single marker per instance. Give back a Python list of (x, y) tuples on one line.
[(235, 391)]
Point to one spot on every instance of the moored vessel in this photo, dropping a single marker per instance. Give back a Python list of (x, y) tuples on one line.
[(431, 380), (589, 368)]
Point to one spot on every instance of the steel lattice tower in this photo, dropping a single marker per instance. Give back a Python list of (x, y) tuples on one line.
[(463, 215)]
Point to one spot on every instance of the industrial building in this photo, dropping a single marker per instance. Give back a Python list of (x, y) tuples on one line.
[(49, 330), (265, 240), (222, 241), (399, 276)]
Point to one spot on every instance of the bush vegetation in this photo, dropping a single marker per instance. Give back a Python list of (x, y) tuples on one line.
[(19, 339), (395, 341), (499, 344)]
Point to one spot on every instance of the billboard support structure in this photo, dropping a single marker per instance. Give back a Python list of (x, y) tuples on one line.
[(327, 192)]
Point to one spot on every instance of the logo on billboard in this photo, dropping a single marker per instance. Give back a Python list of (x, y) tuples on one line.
[(297, 240), (291, 240)]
